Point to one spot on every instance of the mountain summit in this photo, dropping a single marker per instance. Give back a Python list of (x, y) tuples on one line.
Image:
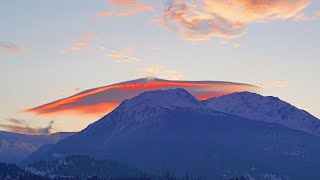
[(267, 109), (171, 129), (171, 98)]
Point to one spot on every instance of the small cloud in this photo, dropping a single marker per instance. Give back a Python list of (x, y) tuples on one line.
[(90, 37), (119, 57), (76, 89), (10, 48), (156, 49), (122, 57), (82, 43), (236, 45), (276, 83), (224, 42), (64, 91), (129, 7), (20, 126), (58, 92), (101, 14), (74, 49), (124, 8), (17, 121), (128, 50), (160, 72)]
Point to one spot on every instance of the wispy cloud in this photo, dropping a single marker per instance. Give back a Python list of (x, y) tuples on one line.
[(89, 42), (303, 17), (159, 71), (236, 45), (20, 126), (123, 56), (275, 83), (85, 42), (77, 46), (74, 90), (224, 42), (17, 121), (205, 19), (10, 48), (156, 49), (102, 14), (124, 8)]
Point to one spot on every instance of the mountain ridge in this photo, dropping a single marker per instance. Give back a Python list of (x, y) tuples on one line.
[(208, 142), (267, 109)]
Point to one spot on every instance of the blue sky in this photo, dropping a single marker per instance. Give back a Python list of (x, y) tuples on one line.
[(53, 49)]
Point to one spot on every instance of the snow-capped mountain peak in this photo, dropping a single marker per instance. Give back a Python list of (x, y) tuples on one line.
[(138, 111), (267, 109), (170, 98)]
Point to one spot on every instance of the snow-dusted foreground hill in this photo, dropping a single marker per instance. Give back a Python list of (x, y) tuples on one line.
[(172, 129)]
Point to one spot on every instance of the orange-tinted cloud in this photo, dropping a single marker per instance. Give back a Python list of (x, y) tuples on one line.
[(123, 56), (204, 19), (102, 14), (159, 71), (74, 90), (100, 101), (276, 83), (85, 42), (124, 8), (10, 47)]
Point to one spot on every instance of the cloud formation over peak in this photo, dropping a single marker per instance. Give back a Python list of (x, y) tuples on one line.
[(99, 101), (204, 19)]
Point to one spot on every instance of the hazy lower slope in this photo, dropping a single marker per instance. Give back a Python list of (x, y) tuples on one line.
[(14, 147)]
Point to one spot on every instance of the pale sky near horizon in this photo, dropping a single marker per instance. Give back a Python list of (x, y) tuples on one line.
[(53, 49)]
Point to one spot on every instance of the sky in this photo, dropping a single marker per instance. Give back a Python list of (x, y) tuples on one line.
[(50, 50)]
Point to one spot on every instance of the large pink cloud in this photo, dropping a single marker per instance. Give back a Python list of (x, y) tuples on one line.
[(100, 101), (203, 19)]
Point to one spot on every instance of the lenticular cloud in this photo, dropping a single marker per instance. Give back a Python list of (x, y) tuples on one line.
[(102, 100)]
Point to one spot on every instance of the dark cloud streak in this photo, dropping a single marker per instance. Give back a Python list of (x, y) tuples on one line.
[(21, 126)]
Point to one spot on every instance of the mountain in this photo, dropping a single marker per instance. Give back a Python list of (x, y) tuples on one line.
[(267, 109), (14, 147), (172, 129)]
